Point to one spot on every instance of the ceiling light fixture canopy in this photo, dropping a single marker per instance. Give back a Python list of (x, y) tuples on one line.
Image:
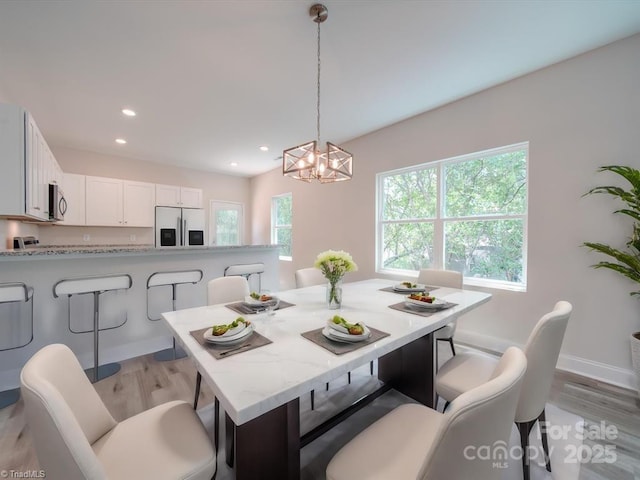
[(306, 162)]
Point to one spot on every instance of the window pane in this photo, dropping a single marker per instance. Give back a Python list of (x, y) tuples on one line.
[(410, 195), (490, 185), (283, 210), (485, 249), (283, 238), (227, 227), (407, 246)]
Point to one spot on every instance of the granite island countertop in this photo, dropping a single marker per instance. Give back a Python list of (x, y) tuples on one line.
[(80, 251)]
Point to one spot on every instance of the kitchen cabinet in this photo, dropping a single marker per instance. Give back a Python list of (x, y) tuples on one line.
[(119, 203), (139, 204), (176, 196), (73, 186), (28, 166)]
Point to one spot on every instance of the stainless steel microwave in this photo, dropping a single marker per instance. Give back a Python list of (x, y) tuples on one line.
[(57, 203)]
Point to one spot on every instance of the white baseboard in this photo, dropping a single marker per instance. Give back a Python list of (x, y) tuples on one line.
[(582, 366), (10, 379)]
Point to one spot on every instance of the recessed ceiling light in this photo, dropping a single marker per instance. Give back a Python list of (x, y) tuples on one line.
[(121, 141), (264, 148), (128, 112), (234, 164)]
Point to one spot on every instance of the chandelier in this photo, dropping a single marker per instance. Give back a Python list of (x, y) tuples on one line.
[(307, 162)]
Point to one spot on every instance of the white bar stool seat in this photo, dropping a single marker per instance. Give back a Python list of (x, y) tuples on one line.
[(15, 293), (96, 285), (173, 279), (246, 270)]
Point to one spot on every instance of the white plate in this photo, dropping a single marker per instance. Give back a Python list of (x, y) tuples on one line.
[(403, 288), (337, 327), (332, 334), (240, 335), (435, 305), (252, 302)]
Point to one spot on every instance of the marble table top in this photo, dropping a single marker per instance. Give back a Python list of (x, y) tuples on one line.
[(252, 383)]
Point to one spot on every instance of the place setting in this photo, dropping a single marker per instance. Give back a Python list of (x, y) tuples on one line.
[(255, 303), (422, 304), (224, 340), (408, 287), (340, 336)]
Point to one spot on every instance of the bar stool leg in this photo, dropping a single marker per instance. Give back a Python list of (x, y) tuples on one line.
[(174, 353), (98, 372)]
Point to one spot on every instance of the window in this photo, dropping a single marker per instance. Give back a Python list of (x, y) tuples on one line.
[(467, 213), (281, 214), (225, 223)]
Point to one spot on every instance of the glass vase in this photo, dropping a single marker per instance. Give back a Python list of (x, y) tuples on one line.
[(334, 295)]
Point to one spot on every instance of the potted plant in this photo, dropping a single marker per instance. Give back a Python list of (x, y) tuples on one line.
[(625, 261)]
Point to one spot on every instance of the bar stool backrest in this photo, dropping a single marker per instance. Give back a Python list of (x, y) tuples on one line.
[(103, 283), (17, 293), (174, 278), (246, 271)]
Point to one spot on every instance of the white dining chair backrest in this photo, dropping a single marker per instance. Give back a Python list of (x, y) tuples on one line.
[(482, 416), (440, 278), (65, 414), (307, 277), (542, 350), (227, 289), (76, 438)]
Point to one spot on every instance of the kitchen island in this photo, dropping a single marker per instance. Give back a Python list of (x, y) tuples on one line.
[(42, 267)]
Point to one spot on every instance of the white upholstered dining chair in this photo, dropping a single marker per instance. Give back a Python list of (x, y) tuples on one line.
[(76, 437), (307, 277), (417, 442), (467, 370), (227, 289), (442, 278)]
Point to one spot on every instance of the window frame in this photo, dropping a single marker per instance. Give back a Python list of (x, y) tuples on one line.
[(275, 227), (440, 219)]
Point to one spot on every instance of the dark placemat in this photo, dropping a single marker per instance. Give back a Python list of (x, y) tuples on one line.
[(240, 307), (338, 348), (423, 313), (255, 340), (427, 289)]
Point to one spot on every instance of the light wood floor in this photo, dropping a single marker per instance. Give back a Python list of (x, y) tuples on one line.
[(143, 383)]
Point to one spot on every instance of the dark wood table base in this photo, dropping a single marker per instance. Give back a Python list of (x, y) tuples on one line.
[(269, 445)]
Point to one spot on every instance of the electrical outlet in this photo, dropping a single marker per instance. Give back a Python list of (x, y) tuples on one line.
[(132, 237), (86, 237)]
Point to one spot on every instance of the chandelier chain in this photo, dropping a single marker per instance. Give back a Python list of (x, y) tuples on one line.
[(318, 101)]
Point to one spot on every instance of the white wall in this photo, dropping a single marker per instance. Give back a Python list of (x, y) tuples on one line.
[(577, 115)]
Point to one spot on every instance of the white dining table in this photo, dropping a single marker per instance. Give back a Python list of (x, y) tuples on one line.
[(259, 389)]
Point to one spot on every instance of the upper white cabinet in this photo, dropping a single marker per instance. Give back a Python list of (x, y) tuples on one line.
[(73, 187), (28, 166), (139, 203), (175, 196), (119, 203)]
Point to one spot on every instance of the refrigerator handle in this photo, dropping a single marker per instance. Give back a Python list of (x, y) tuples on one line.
[(185, 233), (179, 232)]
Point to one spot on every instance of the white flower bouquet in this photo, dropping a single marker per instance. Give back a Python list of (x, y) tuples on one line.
[(334, 264)]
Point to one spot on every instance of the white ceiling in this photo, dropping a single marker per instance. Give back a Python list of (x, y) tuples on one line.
[(213, 80)]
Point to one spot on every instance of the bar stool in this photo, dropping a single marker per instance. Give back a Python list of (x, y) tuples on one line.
[(96, 285), (173, 279), (15, 294), (246, 270)]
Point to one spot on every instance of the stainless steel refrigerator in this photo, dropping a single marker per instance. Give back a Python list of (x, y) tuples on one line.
[(179, 227)]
